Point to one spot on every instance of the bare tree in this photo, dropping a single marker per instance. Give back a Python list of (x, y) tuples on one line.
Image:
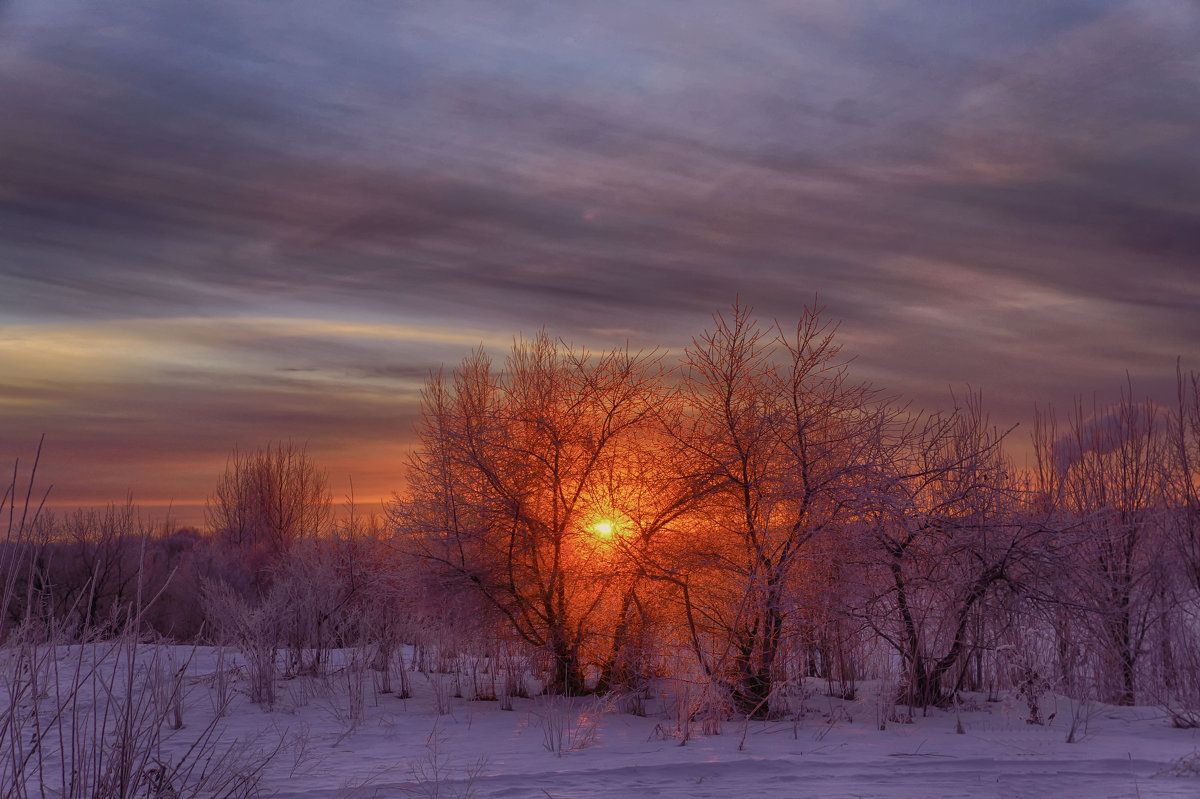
[(1183, 437), (100, 568), (948, 535), (783, 447), (505, 487), (266, 501), (1179, 651), (648, 503), (1107, 479)]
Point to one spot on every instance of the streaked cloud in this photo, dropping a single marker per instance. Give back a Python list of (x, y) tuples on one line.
[(227, 222)]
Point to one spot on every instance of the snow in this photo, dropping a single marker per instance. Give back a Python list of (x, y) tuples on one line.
[(403, 747)]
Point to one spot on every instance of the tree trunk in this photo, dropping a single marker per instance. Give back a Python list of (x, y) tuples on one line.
[(566, 675), (616, 671), (752, 693)]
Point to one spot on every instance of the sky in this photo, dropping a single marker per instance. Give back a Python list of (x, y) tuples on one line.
[(224, 224)]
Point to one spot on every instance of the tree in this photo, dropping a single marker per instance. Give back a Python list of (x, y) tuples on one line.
[(947, 535), (1107, 479), (783, 448), (649, 503), (1183, 441), (267, 501), (506, 485), (1179, 690)]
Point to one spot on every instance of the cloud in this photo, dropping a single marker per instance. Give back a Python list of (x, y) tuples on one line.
[(154, 405), (1104, 433), (237, 207)]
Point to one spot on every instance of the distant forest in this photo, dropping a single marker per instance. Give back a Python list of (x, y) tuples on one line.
[(746, 516)]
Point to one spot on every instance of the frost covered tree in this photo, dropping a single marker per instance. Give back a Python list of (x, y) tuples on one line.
[(1183, 448), (784, 449), (506, 486), (947, 538), (1106, 480), (268, 500), (1179, 689)]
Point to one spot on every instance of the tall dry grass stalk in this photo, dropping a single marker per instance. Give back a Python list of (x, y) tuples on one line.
[(92, 717)]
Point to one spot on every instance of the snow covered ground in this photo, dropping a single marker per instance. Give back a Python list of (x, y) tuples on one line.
[(1125, 753), (591, 747)]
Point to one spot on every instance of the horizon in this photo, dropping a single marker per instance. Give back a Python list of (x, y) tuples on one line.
[(1016, 437)]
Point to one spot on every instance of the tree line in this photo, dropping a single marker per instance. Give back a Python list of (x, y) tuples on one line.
[(747, 514)]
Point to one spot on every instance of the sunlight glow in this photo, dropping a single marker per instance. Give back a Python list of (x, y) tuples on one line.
[(603, 528)]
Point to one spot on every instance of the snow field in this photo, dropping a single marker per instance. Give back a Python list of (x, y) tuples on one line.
[(319, 744)]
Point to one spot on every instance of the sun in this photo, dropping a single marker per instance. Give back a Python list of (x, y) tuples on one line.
[(603, 528)]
